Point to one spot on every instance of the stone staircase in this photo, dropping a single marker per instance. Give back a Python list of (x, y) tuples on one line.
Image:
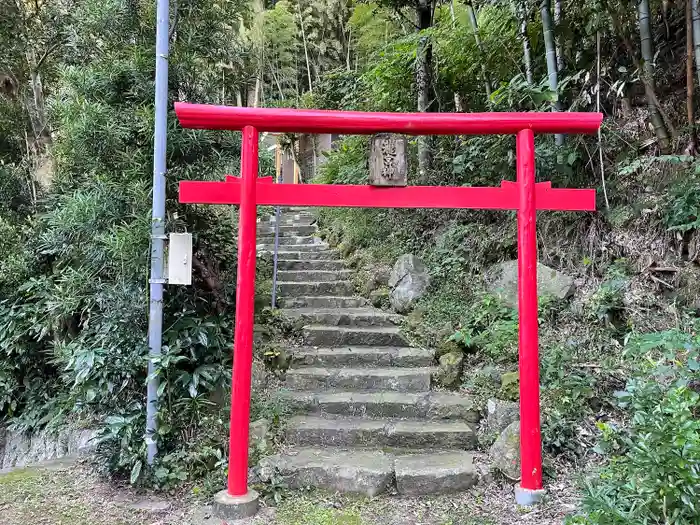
[(366, 419)]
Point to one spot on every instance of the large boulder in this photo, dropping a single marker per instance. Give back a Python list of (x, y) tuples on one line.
[(499, 414), (408, 282), (505, 452), (450, 370), (502, 281)]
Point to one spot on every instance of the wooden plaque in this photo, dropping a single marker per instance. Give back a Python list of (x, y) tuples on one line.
[(387, 160)]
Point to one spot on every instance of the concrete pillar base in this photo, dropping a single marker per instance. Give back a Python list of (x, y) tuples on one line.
[(227, 507), (527, 497)]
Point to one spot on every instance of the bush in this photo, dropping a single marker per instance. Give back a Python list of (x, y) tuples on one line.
[(652, 475)]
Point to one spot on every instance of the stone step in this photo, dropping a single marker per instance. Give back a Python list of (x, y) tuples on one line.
[(295, 241), (359, 317), (287, 230), (355, 471), (313, 275), (289, 216), (436, 473), (362, 356), (270, 246), (371, 472), (291, 254), (421, 405), (322, 302), (311, 265), (407, 379), (319, 335), (337, 288), (352, 431)]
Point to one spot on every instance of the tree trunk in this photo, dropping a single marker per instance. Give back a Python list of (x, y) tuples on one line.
[(459, 108), (557, 23), (37, 110), (521, 16), (696, 35), (424, 59), (306, 49), (548, 30), (690, 86), (475, 30), (648, 74)]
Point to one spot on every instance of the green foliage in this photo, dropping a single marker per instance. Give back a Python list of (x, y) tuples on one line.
[(73, 315), (606, 305), (652, 474), (568, 394), (683, 209), (491, 329), (347, 164)]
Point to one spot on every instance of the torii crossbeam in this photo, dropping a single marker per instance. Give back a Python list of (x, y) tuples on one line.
[(524, 195)]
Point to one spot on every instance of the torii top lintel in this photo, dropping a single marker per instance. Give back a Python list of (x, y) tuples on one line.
[(203, 116), (282, 120)]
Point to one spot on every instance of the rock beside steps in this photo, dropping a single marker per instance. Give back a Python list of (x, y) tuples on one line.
[(365, 418)]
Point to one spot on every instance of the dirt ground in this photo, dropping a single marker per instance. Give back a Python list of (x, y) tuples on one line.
[(69, 494)]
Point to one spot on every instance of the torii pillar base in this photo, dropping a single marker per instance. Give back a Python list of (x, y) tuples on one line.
[(229, 508), (528, 497)]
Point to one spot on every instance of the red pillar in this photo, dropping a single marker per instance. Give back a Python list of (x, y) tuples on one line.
[(243, 335), (530, 439)]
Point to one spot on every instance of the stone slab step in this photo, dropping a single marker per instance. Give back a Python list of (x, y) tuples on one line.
[(408, 379), (335, 288), (362, 356), (291, 254), (290, 240), (319, 335), (311, 247), (371, 472), (311, 265), (359, 317), (439, 473), (351, 431), (355, 471), (426, 405), (287, 216), (322, 302), (313, 275), (286, 230)]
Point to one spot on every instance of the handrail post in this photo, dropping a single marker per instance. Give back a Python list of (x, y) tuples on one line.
[(530, 489)]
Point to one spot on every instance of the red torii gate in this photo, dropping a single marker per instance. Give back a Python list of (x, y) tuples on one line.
[(524, 195)]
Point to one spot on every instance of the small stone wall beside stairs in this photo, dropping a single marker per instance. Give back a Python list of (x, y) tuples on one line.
[(366, 419)]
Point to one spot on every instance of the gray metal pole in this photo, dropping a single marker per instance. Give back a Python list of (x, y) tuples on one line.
[(155, 311)]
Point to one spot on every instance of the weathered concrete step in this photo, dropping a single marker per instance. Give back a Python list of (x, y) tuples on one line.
[(295, 289), (287, 230), (311, 265), (322, 302), (313, 275), (371, 472), (362, 356), (425, 405), (289, 216), (291, 254), (358, 317), (350, 431), (357, 471), (438, 473), (295, 241), (318, 335), (408, 379), (270, 245)]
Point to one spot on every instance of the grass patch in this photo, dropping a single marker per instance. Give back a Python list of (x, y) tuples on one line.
[(305, 511)]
